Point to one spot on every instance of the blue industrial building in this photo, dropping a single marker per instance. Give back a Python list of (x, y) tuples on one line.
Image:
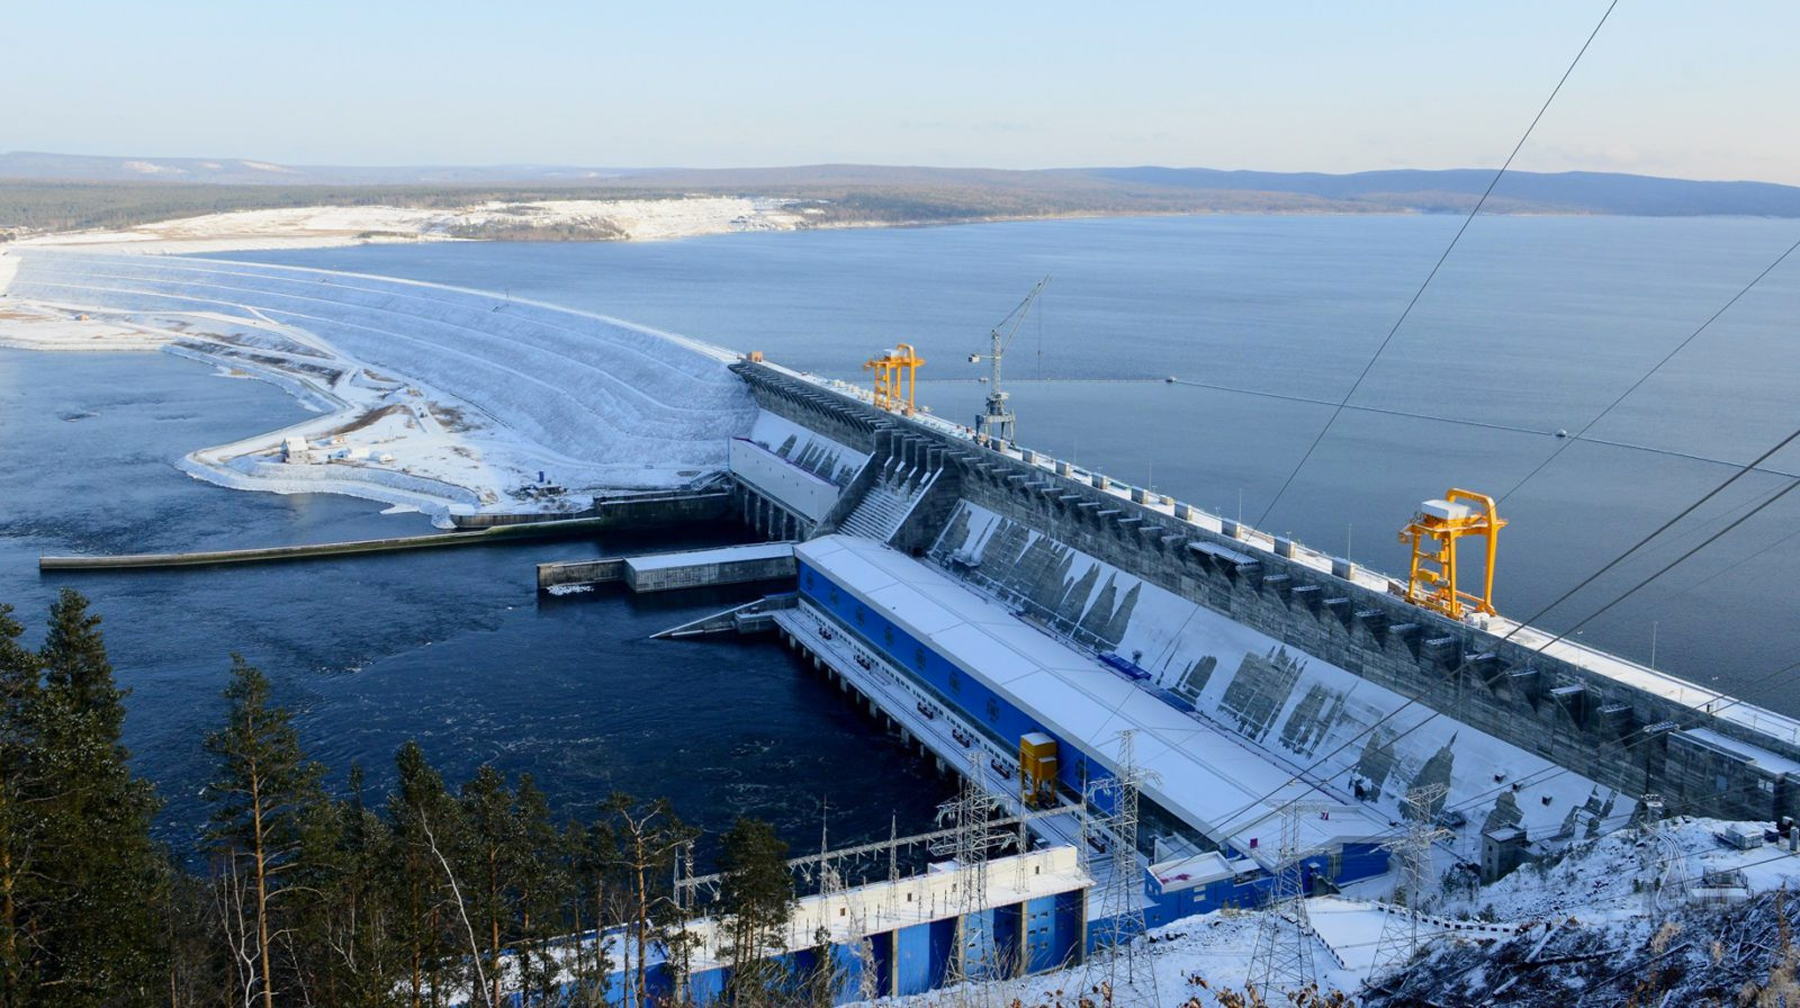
[(1007, 679)]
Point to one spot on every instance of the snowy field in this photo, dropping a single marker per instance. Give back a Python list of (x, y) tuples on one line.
[(317, 227), (440, 399)]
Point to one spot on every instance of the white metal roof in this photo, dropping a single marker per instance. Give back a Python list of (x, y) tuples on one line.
[(724, 554), (1214, 781)]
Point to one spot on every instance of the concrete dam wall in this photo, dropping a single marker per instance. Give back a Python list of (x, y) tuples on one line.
[(1302, 658)]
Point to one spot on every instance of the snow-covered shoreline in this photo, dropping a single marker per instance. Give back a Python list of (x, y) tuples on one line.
[(430, 398), (330, 226)]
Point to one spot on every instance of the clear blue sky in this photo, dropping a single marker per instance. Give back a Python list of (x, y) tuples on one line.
[(1700, 90)]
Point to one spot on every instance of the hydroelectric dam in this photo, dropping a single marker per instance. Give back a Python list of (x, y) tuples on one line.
[(1167, 711)]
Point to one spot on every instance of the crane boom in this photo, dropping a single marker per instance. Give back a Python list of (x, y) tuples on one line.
[(996, 422)]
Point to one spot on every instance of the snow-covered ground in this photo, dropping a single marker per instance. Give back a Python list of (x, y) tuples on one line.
[(302, 227), (440, 399), (1597, 888)]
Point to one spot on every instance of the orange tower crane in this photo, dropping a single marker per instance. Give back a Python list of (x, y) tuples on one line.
[(1433, 534), (896, 377)]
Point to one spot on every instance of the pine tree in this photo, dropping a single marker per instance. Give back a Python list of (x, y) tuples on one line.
[(19, 674), (76, 666), (423, 814), (492, 835), (95, 927), (360, 900), (593, 852), (266, 799), (649, 836), (541, 871), (756, 890)]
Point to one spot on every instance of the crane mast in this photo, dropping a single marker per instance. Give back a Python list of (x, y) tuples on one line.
[(996, 422)]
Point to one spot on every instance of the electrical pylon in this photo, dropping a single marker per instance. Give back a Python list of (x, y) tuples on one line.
[(1400, 932), (1661, 862), (831, 885), (968, 815), (1283, 959), (1119, 895)]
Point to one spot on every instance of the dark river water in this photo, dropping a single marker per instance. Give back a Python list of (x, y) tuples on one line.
[(1535, 324), (453, 648)]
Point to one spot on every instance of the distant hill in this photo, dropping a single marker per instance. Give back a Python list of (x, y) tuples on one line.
[(40, 167), (54, 192), (1570, 192)]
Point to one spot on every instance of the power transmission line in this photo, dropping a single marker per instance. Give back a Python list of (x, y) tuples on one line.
[(1415, 698), (1714, 317), (1470, 219)]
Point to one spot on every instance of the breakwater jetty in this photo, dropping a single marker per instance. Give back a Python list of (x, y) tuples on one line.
[(311, 551)]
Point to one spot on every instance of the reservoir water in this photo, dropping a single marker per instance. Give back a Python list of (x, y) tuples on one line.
[(1534, 325)]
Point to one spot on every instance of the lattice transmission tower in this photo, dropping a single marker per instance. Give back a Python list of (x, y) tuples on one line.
[(1283, 959), (833, 888), (1662, 863), (1400, 931), (969, 844), (1120, 888)]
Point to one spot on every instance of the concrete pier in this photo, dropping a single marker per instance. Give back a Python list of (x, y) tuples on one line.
[(270, 554), (671, 571)]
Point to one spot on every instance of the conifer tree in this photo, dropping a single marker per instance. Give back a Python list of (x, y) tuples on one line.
[(76, 666), (541, 871), (492, 845), (648, 835), (266, 798), (756, 890), (422, 813), (94, 926), (19, 675), (360, 902), (592, 855)]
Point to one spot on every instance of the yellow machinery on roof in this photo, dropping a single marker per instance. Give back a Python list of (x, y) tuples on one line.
[(1433, 533), (896, 376), (1037, 770)]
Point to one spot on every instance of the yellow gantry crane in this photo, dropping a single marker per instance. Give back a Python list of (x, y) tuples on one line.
[(1433, 534), (896, 377)]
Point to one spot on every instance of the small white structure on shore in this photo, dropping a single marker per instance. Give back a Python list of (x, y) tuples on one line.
[(295, 451)]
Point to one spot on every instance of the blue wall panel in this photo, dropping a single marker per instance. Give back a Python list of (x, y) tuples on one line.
[(706, 986), (921, 952), (883, 947), (981, 707)]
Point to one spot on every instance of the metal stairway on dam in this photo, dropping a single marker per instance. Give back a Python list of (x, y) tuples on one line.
[(889, 501)]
